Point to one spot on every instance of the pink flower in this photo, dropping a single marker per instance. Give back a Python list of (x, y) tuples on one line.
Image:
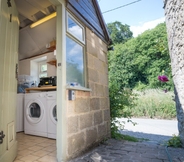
[(163, 78)]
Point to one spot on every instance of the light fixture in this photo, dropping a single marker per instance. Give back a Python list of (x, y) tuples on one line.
[(43, 20)]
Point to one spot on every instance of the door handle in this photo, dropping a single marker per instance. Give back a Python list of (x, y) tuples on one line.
[(2, 135)]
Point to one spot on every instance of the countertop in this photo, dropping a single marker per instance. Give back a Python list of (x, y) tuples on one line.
[(45, 88)]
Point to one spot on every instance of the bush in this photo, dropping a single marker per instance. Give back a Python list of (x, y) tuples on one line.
[(175, 141), (155, 103), (121, 103)]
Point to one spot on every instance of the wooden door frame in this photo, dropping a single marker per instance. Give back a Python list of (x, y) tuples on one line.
[(61, 140)]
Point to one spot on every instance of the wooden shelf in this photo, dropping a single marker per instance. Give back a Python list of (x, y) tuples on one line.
[(52, 48), (52, 62)]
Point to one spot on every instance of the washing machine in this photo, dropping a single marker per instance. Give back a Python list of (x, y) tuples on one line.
[(51, 114), (35, 114)]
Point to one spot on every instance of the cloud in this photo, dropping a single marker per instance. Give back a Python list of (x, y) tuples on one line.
[(145, 26), (76, 31), (75, 50)]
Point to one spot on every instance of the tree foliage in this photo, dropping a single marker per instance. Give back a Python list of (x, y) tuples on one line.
[(138, 62), (118, 32), (135, 63)]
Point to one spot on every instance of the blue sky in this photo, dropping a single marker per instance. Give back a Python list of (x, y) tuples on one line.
[(140, 16)]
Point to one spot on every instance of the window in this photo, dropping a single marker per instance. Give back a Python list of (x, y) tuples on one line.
[(42, 69), (75, 29), (75, 45)]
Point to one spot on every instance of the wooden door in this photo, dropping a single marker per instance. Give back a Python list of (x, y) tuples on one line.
[(9, 27)]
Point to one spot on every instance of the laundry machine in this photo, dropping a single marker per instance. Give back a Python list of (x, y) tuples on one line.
[(35, 114), (51, 114)]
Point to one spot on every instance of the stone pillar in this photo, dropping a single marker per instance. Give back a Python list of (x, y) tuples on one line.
[(174, 14)]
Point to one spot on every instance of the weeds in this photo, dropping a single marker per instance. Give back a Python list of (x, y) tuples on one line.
[(129, 138), (175, 141), (154, 103)]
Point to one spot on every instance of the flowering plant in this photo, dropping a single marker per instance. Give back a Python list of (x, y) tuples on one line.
[(163, 78)]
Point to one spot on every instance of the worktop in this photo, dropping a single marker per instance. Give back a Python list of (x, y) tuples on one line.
[(45, 88)]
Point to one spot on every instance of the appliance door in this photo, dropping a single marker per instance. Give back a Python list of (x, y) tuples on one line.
[(34, 111), (53, 113)]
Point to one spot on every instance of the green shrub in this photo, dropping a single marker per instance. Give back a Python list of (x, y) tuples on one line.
[(175, 141), (155, 103), (121, 103)]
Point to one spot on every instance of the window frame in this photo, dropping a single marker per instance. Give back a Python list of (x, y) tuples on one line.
[(39, 68), (82, 43), (79, 24)]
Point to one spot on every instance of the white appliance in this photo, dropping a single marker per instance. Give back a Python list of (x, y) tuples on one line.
[(20, 113), (35, 115), (51, 114)]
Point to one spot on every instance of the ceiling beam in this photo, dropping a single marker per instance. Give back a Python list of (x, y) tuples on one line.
[(35, 4), (26, 15)]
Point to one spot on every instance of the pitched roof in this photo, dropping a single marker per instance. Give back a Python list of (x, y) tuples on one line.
[(88, 11)]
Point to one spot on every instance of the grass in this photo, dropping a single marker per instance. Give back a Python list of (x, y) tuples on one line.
[(155, 103), (133, 139), (130, 138)]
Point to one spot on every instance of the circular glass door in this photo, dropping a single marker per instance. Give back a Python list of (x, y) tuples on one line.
[(34, 111), (54, 112)]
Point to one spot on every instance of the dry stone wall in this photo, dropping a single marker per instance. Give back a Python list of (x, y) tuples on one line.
[(89, 114)]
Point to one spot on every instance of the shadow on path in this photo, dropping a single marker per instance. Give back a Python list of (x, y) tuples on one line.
[(155, 138)]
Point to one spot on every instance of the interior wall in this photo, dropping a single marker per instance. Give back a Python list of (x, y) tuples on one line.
[(34, 71), (33, 41), (25, 65)]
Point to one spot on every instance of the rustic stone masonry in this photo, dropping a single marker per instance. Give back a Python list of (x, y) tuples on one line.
[(174, 13), (89, 114)]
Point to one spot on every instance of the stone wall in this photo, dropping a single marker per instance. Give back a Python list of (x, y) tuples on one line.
[(89, 113), (174, 14)]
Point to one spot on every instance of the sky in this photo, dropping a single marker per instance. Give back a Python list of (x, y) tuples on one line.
[(140, 16)]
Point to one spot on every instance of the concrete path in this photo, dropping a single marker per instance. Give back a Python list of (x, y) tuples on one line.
[(153, 129), (124, 151)]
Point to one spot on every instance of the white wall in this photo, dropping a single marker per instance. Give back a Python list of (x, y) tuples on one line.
[(24, 67), (30, 67), (33, 40), (51, 69), (34, 71)]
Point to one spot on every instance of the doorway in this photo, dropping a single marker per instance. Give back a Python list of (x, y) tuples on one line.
[(39, 37)]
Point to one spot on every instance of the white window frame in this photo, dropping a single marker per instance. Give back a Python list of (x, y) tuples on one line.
[(71, 34), (39, 68), (82, 43)]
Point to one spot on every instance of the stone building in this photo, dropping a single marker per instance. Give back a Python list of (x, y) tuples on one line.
[(81, 36), (175, 27)]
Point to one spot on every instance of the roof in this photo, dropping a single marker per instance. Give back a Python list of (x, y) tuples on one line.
[(88, 11)]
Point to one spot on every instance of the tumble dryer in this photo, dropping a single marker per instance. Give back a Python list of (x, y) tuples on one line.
[(35, 114), (51, 114)]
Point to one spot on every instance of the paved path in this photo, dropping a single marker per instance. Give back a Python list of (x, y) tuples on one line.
[(124, 151)]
